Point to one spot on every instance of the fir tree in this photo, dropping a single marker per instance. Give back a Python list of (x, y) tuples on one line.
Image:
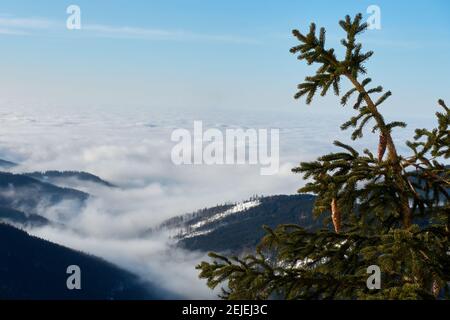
[(387, 209)]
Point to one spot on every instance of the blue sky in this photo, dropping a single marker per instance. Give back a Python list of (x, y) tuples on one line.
[(190, 54)]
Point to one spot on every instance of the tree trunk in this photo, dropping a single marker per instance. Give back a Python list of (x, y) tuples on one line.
[(393, 157), (382, 146)]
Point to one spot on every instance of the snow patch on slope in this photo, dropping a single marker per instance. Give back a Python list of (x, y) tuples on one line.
[(192, 230)]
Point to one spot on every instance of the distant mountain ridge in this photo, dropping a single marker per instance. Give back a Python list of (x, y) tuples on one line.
[(24, 193), (237, 227), (22, 219), (56, 177), (5, 164), (32, 268)]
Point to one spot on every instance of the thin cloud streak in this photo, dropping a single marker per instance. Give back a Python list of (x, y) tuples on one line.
[(126, 32), (29, 26), (10, 32), (26, 23)]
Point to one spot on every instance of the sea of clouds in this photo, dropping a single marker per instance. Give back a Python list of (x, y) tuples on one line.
[(131, 148)]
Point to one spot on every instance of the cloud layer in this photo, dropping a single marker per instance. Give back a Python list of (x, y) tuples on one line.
[(131, 148)]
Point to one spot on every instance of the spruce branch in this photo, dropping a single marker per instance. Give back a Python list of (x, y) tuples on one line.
[(331, 70)]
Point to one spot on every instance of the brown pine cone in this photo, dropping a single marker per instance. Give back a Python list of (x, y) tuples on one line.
[(436, 288), (336, 215)]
